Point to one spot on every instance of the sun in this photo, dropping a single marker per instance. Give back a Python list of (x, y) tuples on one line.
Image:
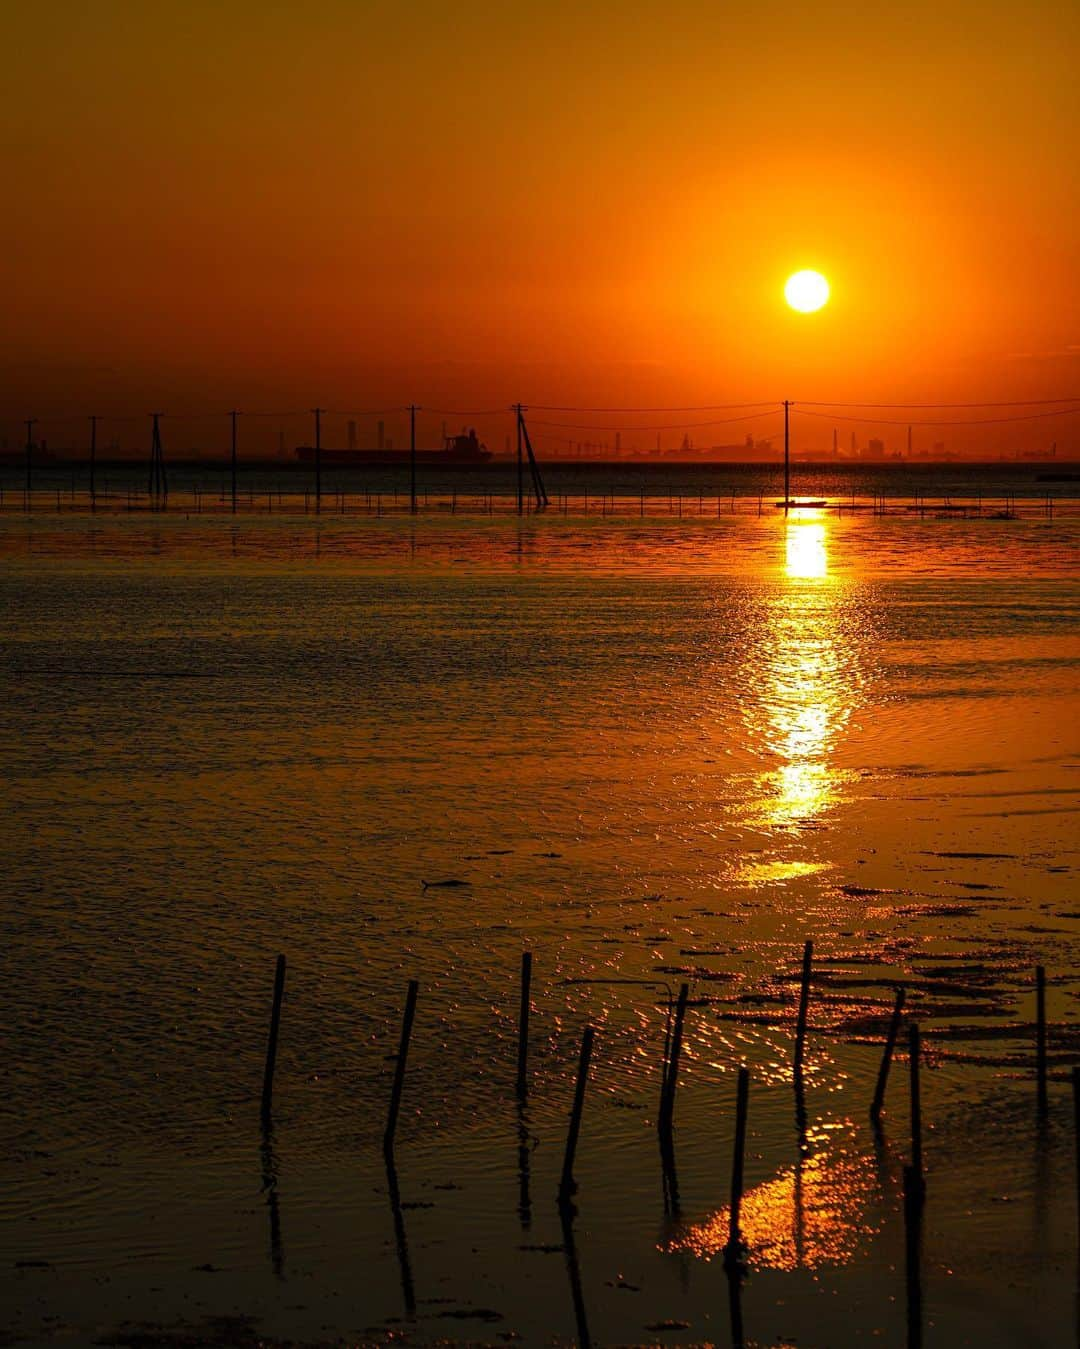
[(806, 291)]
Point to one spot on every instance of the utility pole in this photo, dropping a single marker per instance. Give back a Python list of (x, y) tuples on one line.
[(233, 416), (31, 422), (93, 463), (159, 486), (318, 458), (520, 481), (787, 455), (413, 410)]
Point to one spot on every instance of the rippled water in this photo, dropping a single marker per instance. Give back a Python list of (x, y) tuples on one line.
[(649, 753)]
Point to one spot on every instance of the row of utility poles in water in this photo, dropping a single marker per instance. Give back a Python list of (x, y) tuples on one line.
[(158, 486)]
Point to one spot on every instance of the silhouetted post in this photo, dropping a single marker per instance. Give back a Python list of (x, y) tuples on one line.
[(159, 486), (271, 1044), (520, 464), (232, 417), (886, 1060), (318, 458), (1076, 1131), (734, 1248), (566, 1184), (413, 409), (804, 1004), (523, 1025), (916, 1108), (1040, 1038), (671, 1076), (399, 1067), (93, 463), (787, 454), (31, 422)]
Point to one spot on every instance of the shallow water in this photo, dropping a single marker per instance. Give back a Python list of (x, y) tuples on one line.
[(653, 753)]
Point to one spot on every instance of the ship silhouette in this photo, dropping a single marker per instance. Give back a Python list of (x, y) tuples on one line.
[(461, 451)]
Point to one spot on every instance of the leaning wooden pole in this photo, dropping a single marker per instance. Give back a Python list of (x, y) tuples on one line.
[(804, 1006), (272, 1041), (733, 1251), (399, 1066), (567, 1185), (914, 1055), (666, 1118), (523, 1026), (886, 1059)]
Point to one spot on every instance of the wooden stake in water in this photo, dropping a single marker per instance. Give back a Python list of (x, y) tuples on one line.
[(399, 1067), (1076, 1130), (733, 1251), (272, 1042), (1040, 1038), (567, 1185), (671, 1076), (523, 1026), (890, 1045), (916, 1107), (804, 1004)]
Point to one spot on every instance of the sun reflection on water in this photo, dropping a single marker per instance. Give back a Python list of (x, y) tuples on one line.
[(806, 557), (802, 680), (813, 1214), (807, 659)]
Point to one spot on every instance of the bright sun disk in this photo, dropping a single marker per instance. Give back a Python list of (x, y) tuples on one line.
[(806, 291)]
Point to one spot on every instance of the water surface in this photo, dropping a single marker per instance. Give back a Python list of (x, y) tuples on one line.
[(649, 752)]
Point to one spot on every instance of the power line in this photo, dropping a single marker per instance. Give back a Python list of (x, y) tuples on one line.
[(955, 421), (669, 426), (1015, 403), (469, 412), (704, 408)]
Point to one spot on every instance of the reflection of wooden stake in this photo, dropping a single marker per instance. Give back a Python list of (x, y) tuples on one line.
[(573, 1270), (271, 1044), (671, 1077), (399, 1067), (733, 1252), (400, 1241), (913, 1197), (1040, 1038), (804, 1004), (890, 1045), (523, 1025), (567, 1185)]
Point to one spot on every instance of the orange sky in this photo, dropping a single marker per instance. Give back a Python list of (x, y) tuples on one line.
[(240, 202)]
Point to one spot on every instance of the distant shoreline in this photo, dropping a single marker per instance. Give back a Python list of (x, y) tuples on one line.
[(16, 459)]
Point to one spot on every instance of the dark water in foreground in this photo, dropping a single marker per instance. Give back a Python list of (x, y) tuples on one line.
[(652, 754)]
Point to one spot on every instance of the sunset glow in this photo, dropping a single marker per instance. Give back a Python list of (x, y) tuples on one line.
[(538, 559)]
